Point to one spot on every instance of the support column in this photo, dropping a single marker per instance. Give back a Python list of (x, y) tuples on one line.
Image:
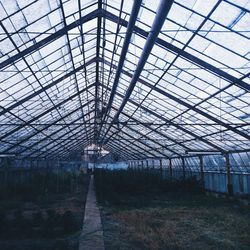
[(229, 177), (170, 168), (142, 164), (7, 165), (183, 168), (161, 168), (202, 172)]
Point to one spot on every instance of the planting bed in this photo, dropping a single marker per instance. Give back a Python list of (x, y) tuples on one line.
[(45, 216), (139, 212)]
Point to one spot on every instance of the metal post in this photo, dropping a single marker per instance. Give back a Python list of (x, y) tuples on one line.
[(170, 168), (161, 167), (7, 164), (183, 168), (202, 171), (229, 177)]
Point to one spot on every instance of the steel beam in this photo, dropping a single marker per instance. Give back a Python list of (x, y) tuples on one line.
[(52, 134), (187, 105), (172, 123), (38, 92), (134, 147), (110, 16), (50, 38), (73, 65), (117, 149), (145, 144), (152, 140), (59, 150), (98, 41), (129, 32), (183, 103), (30, 136), (144, 135), (191, 58), (45, 112), (156, 131), (121, 148), (61, 153), (159, 20), (29, 67)]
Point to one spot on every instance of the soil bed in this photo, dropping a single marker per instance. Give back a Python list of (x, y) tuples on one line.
[(166, 216), (49, 220)]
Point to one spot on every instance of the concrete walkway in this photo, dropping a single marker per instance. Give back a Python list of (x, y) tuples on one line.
[(91, 237)]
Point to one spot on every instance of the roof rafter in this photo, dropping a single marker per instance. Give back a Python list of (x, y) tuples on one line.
[(46, 127), (172, 123), (233, 80)]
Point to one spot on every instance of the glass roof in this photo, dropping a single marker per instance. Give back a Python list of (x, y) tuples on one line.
[(61, 88)]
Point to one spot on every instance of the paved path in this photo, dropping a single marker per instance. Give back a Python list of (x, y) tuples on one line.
[(91, 237)]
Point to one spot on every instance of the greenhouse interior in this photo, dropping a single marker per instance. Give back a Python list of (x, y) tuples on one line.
[(124, 124)]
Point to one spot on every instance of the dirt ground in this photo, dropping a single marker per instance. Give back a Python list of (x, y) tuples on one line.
[(174, 221), (49, 221)]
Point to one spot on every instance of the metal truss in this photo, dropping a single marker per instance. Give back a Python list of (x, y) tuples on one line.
[(78, 75)]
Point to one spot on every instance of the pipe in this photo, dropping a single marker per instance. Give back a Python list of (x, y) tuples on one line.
[(160, 17), (159, 20), (129, 32)]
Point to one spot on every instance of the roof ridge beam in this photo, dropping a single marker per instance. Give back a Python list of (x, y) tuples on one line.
[(98, 42)]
